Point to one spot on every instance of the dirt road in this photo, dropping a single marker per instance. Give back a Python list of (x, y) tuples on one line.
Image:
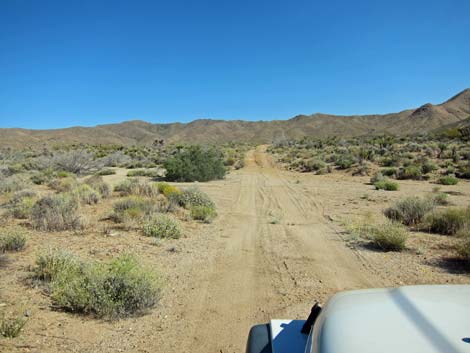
[(278, 254)]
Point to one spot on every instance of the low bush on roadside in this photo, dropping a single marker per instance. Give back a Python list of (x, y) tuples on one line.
[(111, 290), (448, 180), (448, 221), (106, 171), (56, 213), (390, 236), (386, 184), (390, 172), (409, 211), (142, 172), (168, 190), (12, 240), (195, 197), (136, 187), (162, 226), (203, 213), (10, 327)]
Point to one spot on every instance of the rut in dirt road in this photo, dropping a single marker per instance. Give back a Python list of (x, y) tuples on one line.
[(277, 256)]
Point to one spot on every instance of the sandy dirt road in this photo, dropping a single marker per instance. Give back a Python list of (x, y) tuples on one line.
[(277, 255)]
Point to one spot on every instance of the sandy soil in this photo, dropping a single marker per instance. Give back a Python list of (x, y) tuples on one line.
[(276, 247)]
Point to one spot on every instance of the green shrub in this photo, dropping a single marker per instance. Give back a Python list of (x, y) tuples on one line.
[(390, 172), (386, 185), (21, 205), (463, 248), (12, 184), (448, 180), (195, 164), (162, 226), (117, 289), (142, 172), (344, 162), (56, 212), (63, 174), (428, 167), (389, 236), (449, 221), (311, 165), (11, 327), (464, 171), (377, 177), (136, 187), (86, 194), (409, 211), (63, 184), (132, 208), (168, 190), (98, 184), (440, 198), (194, 197), (12, 240), (203, 213), (106, 171), (410, 172)]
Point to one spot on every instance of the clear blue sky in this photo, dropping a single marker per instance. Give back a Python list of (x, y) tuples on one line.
[(87, 62)]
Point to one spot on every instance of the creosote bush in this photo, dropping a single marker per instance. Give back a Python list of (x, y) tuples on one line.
[(409, 211), (448, 180), (194, 197), (448, 221), (386, 184), (390, 236), (162, 226), (111, 290), (56, 212), (205, 214), (12, 240)]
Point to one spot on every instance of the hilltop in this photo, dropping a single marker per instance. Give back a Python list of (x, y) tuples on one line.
[(426, 118)]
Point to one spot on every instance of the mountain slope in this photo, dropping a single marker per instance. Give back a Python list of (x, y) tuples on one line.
[(424, 119)]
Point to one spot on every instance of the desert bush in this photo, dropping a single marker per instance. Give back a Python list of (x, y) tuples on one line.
[(79, 162), (463, 247), (311, 165), (448, 221), (132, 208), (390, 172), (428, 167), (12, 240), (410, 172), (377, 177), (21, 204), (194, 197), (448, 180), (344, 162), (390, 236), (106, 171), (409, 211), (142, 172), (162, 226), (11, 327), (440, 198), (136, 187), (98, 184), (386, 184), (170, 192), (86, 194), (195, 164), (63, 184), (12, 184), (464, 171), (106, 290), (56, 212), (203, 213)]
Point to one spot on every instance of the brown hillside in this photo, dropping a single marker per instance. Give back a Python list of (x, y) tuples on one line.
[(426, 118)]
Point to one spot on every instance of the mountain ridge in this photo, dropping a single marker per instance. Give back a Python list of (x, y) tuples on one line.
[(426, 118)]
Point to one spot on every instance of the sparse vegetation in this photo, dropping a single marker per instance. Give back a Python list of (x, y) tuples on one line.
[(56, 212), (12, 240), (448, 221), (409, 211), (136, 187), (390, 236), (132, 209), (203, 213), (448, 180), (10, 327), (162, 226), (111, 290), (386, 184)]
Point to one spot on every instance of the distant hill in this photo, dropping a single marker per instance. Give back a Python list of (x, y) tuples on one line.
[(426, 118)]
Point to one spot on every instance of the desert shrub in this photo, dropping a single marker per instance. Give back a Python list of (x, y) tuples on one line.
[(98, 184), (464, 171), (43, 177), (12, 184), (63, 184), (132, 208), (239, 164), (194, 197), (79, 162), (428, 167), (106, 290), (142, 172), (195, 164), (106, 171), (440, 198), (63, 174), (11, 327), (448, 180), (136, 187), (56, 212), (410, 172), (162, 226), (344, 162), (21, 204), (463, 247), (311, 165), (12, 240), (86, 194), (390, 172), (390, 236), (377, 177), (171, 192), (386, 184), (203, 213), (409, 211), (448, 221)]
